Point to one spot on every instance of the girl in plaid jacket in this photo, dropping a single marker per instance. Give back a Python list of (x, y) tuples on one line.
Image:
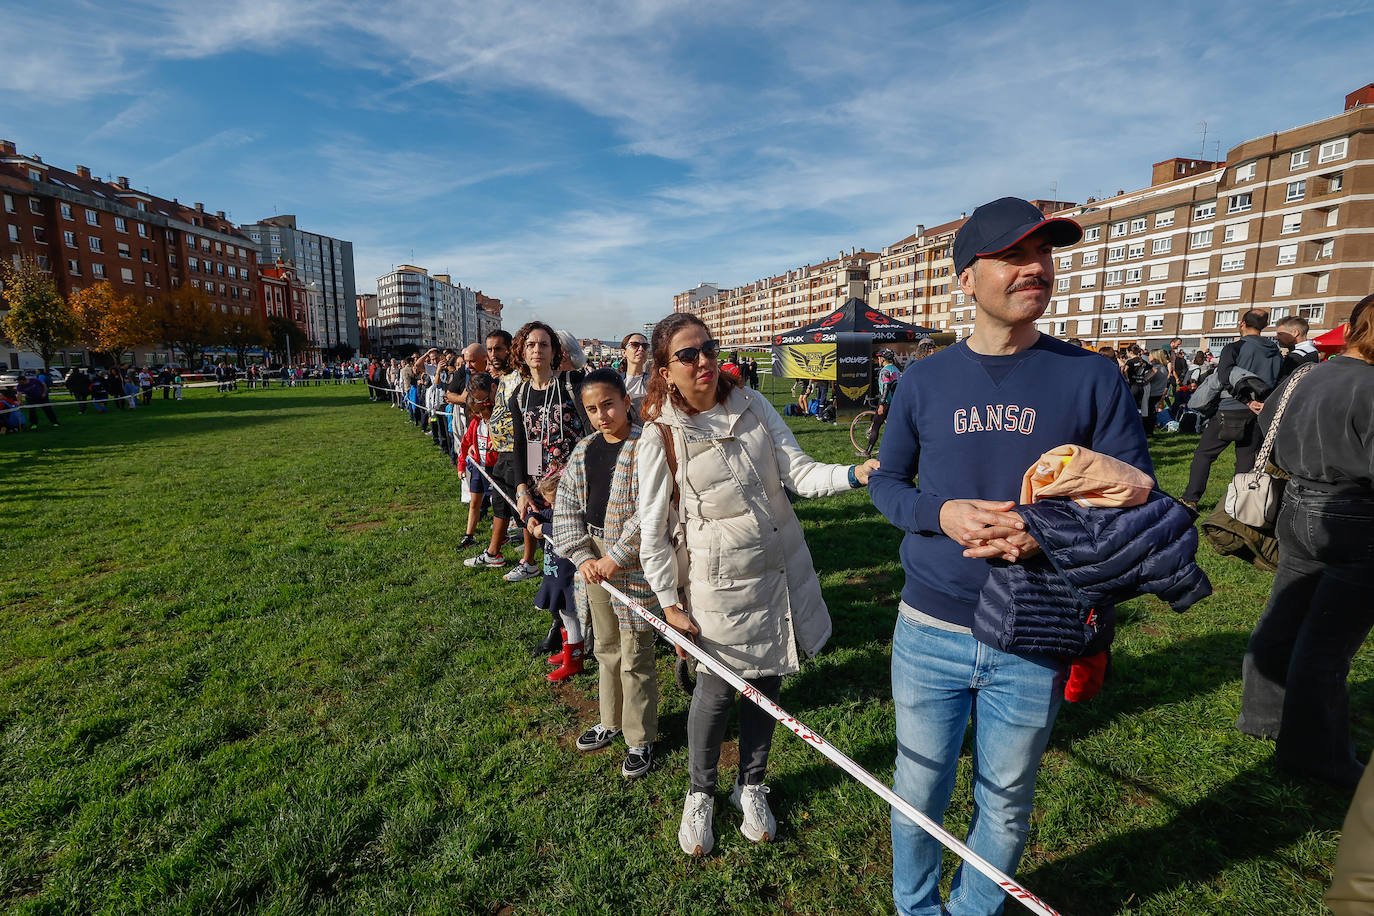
[(596, 526)]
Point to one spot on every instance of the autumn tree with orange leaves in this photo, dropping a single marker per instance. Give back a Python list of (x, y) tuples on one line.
[(113, 324)]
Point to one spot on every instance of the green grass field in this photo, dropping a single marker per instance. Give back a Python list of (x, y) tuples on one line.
[(243, 669)]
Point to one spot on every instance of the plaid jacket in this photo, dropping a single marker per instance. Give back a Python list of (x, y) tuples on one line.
[(572, 540)]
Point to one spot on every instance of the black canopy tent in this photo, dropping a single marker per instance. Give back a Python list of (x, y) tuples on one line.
[(840, 347)]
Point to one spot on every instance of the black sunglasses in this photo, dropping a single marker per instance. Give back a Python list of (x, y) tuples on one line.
[(637, 344), (688, 355)]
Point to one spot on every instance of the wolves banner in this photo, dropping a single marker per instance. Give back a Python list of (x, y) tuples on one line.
[(854, 370), (811, 360)]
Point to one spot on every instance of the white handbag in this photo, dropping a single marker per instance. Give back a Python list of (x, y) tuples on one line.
[(1253, 498)]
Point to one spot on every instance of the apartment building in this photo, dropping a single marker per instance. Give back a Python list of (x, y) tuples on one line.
[(415, 309), (750, 315), (325, 267), (367, 323), (84, 230), (488, 315), (1285, 223)]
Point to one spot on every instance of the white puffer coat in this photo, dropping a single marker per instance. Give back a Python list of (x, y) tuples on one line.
[(750, 586)]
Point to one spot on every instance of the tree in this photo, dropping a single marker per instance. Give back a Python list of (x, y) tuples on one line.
[(113, 324), (339, 352), (287, 338), (39, 319), (188, 321), (244, 332)]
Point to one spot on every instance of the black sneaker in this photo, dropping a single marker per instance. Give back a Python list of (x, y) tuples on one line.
[(637, 762), (467, 541), (596, 737), (515, 536)]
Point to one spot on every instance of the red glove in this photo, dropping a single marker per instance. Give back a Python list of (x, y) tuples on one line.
[(1085, 677)]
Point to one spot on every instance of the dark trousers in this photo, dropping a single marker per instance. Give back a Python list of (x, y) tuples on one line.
[(875, 429), (1211, 445), (706, 720), (1320, 610), (80, 397), (147, 396)]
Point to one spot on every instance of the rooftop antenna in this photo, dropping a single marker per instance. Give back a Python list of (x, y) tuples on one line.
[(1203, 125)]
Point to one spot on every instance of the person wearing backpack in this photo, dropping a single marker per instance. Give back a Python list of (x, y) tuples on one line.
[(1235, 419)]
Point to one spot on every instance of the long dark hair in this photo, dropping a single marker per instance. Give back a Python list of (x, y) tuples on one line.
[(517, 350), (1359, 333), (658, 391)]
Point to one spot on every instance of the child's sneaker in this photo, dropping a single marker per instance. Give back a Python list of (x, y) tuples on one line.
[(521, 572), (694, 834), (485, 559), (758, 824), (467, 541), (596, 737), (637, 761)]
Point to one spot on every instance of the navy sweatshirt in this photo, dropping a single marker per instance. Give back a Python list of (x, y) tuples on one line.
[(972, 425)]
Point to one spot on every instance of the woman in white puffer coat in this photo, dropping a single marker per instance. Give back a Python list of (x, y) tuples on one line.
[(744, 587)]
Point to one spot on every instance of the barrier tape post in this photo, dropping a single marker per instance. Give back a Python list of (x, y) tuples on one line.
[(832, 753)]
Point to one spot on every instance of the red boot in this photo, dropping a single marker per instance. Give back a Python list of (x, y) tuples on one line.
[(556, 659), (572, 663)]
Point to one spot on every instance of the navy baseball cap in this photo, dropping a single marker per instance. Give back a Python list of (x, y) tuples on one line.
[(995, 227)]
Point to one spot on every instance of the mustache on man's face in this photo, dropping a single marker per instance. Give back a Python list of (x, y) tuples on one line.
[(1029, 283)]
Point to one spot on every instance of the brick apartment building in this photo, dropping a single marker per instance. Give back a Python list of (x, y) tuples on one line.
[(84, 230), (752, 314), (284, 295), (1284, 222), (488, 315), (367, 321)]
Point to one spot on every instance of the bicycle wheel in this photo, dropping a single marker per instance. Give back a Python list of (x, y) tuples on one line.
[(858, 430)]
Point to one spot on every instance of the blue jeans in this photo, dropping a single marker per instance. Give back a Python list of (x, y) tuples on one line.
[(939, 679)]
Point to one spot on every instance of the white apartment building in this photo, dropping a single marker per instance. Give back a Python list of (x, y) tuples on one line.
[(416, 309)]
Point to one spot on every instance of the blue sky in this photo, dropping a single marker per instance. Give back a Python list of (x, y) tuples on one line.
[(584, 162)]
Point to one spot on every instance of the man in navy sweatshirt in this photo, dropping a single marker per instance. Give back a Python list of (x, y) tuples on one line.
[(971, 419)]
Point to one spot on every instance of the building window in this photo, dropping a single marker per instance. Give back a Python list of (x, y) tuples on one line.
[(1109, 325), (1162, 246), (1240, 202), (1087, 281), (1333, 216), (124, 249), (147, 278), (142, 230), (1245, 172), (1113, 278), (1092, 233), (1327, 248), (1201, 239), (1129, 322), (1090, 258), (1133, 275), (14, 233), (1236, 232), (1228, 290), (35, 206), (120, 224), (69, 238), (1198, 266), (9, 203), (1332, 150), (126, 274), (1292, 222), (1226, 317), (66, 211), (1116, 253), (1335, 182), (1138, 224), (1085, 303), (1283, 286), (1205, 211), (1136, 251), (98, 271), (1299, 160), (74, 267), (1233, 262), (1062, 284), (94, 242), (1066, 262), (1313, 313), (1154, 323), (1278, 312), (1288, 254), (1159, 271), (1118, 229), (1323, 281), (1296, 190), (1156, 297), (1195, 294), (92, 218), (1163, 220), (146, 255)]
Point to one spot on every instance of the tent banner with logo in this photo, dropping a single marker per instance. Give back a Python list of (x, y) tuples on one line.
[(840, 346)]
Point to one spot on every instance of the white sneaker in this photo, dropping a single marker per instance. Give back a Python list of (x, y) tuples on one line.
[(758, 824), (522, 571), (694, 835)]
